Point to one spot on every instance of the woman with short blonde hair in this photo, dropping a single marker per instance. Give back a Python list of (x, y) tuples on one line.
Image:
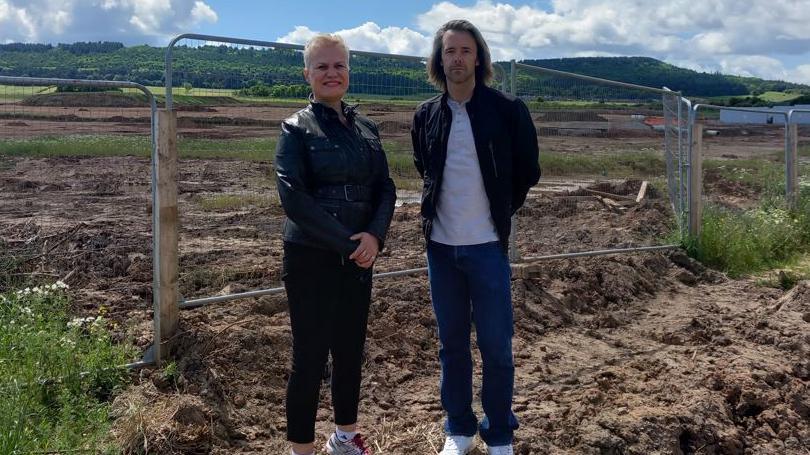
[(339, 199)]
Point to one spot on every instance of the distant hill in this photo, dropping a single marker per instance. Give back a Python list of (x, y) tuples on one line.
[(224, 67), (655, 73)]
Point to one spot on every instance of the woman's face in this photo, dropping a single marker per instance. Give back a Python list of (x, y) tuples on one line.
[(328, 73)]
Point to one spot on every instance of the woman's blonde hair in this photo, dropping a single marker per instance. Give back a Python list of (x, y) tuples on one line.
[(483, 72), (324, 39)]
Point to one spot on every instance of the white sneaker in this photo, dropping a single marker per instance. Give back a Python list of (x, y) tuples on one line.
[(500, 450), (457, 445)]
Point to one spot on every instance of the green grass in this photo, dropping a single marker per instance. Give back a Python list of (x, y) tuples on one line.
[(57, 375), (619, 164), (249, 149), (741, 242), (18, 92), (778, 97), (224, 202), (764, 176)]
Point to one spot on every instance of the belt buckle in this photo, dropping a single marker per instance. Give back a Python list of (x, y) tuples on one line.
[(346, 193)]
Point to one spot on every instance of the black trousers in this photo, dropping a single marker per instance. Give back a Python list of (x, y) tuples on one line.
[(329, 301)]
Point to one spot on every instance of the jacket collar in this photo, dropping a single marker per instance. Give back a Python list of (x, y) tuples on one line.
[(478, 90), (324, 111)]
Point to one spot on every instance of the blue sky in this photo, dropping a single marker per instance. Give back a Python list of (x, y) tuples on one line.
[(763, 38), (272, 19)]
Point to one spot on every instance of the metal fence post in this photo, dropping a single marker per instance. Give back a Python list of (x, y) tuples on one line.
[(695, 179), (514, 254), (791, 163), (167, 297)]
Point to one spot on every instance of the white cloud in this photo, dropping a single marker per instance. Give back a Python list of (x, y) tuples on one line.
[(129, 21), (370, 37)]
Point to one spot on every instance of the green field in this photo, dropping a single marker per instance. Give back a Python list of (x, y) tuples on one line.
[(18, 92), (250, 149), (778, 97)]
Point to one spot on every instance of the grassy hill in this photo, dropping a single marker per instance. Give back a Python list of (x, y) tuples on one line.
[(224, 67)]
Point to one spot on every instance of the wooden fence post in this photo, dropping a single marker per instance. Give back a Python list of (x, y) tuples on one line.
[(166, 305)]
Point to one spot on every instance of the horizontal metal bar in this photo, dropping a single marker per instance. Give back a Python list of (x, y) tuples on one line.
[(596, 79), (187, 304), (297, 47), (138, 365), (195, 303), (796, 111), (740, 109), (639, 249), (401, 273)]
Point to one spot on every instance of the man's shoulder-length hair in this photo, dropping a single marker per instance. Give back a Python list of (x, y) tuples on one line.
[(483, 72)]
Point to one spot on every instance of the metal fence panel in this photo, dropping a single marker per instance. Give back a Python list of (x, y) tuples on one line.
[(228, 123), (75, 178), (612, 156), (744, 156)]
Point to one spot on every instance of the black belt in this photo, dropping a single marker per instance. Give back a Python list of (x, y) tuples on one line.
[(344, 192)]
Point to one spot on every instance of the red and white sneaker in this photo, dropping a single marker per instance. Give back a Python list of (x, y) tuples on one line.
[(356, 446)]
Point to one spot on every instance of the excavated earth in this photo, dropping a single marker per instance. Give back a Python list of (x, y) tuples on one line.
[(629, 354)]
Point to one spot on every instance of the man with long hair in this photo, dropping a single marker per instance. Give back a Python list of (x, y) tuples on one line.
[(476, 150)]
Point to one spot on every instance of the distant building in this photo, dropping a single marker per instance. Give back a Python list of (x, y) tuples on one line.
[(766, 117)]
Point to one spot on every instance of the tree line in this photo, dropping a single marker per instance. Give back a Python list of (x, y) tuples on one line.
[(244, 68)]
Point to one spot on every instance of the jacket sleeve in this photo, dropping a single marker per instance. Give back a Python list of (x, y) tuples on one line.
[(526, 154), (418, 145), (299, 205), (385, 196)]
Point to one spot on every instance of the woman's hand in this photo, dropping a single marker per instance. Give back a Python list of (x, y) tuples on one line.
[(366, 253)]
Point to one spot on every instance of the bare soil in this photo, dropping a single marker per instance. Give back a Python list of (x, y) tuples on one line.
[(633, 354)]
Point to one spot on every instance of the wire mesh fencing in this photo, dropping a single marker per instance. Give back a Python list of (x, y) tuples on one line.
[(231, 96), (75, 178), (612, 157), (744, 156)]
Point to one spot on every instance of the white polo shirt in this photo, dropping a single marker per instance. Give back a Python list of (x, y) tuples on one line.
[(462, 212)]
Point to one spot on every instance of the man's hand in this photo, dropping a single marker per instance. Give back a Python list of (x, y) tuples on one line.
[(366, 253)]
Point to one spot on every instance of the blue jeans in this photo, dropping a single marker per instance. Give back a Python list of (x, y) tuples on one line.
[(471, 283)]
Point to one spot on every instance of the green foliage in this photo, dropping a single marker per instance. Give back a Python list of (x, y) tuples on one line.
[(57, 374), (636, 70), (741, 242), (252, 149), (260, 89), (620, 164), (748, 101), (85, 89), (224, 202), (228, 67)]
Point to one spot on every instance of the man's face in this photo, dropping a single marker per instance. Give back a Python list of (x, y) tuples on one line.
[(459, 56)]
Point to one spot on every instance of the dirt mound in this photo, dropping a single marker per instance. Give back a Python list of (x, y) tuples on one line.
[(393, 127), (634, 354), (719, 188), (90, 99), (147, 422)]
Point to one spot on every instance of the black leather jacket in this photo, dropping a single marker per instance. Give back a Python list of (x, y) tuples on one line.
[(332, 179), (506, 145)]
